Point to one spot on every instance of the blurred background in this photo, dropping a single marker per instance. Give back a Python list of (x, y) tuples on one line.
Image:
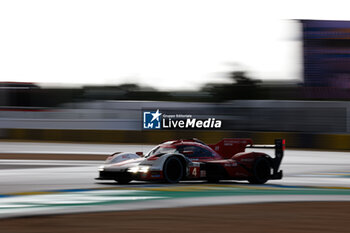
[(83, 71)]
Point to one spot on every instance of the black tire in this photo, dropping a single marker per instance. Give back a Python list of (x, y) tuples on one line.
[(173, 170), (261, 171)]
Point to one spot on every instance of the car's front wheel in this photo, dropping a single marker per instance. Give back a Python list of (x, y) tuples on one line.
[(173, 170)]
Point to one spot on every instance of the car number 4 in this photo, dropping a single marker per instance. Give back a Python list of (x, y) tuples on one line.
[(194, 172)]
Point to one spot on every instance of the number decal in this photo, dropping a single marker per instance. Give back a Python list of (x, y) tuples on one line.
[(194, 172)]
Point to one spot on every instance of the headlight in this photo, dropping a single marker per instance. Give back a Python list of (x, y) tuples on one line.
[(142, 169), (101, 168), (133, 169)]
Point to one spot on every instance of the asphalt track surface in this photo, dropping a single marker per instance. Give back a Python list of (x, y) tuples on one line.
[(29, 187)]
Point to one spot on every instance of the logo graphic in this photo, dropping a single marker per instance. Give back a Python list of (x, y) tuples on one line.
[(157, 120), (152, 120)]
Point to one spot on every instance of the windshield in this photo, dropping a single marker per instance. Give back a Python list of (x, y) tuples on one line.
[(161, 150)]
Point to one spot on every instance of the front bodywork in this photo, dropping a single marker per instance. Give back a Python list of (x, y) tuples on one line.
[(135, 166)]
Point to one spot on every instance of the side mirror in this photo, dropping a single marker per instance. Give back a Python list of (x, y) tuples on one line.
[(139, 154)]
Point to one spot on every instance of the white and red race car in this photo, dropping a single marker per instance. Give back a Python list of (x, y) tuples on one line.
[(176, 160)]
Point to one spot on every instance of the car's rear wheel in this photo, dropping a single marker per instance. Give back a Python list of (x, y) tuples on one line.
[(173, 170), (261, 171)]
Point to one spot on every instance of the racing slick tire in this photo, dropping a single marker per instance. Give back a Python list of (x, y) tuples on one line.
[(261, 171), (173, 170)]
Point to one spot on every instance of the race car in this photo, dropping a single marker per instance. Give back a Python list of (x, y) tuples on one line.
[(191, 159)]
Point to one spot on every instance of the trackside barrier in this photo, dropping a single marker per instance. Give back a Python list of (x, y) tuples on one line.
[(295, 140)]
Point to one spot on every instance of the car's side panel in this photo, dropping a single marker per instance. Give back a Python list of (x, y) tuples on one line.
[(247, 158)]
